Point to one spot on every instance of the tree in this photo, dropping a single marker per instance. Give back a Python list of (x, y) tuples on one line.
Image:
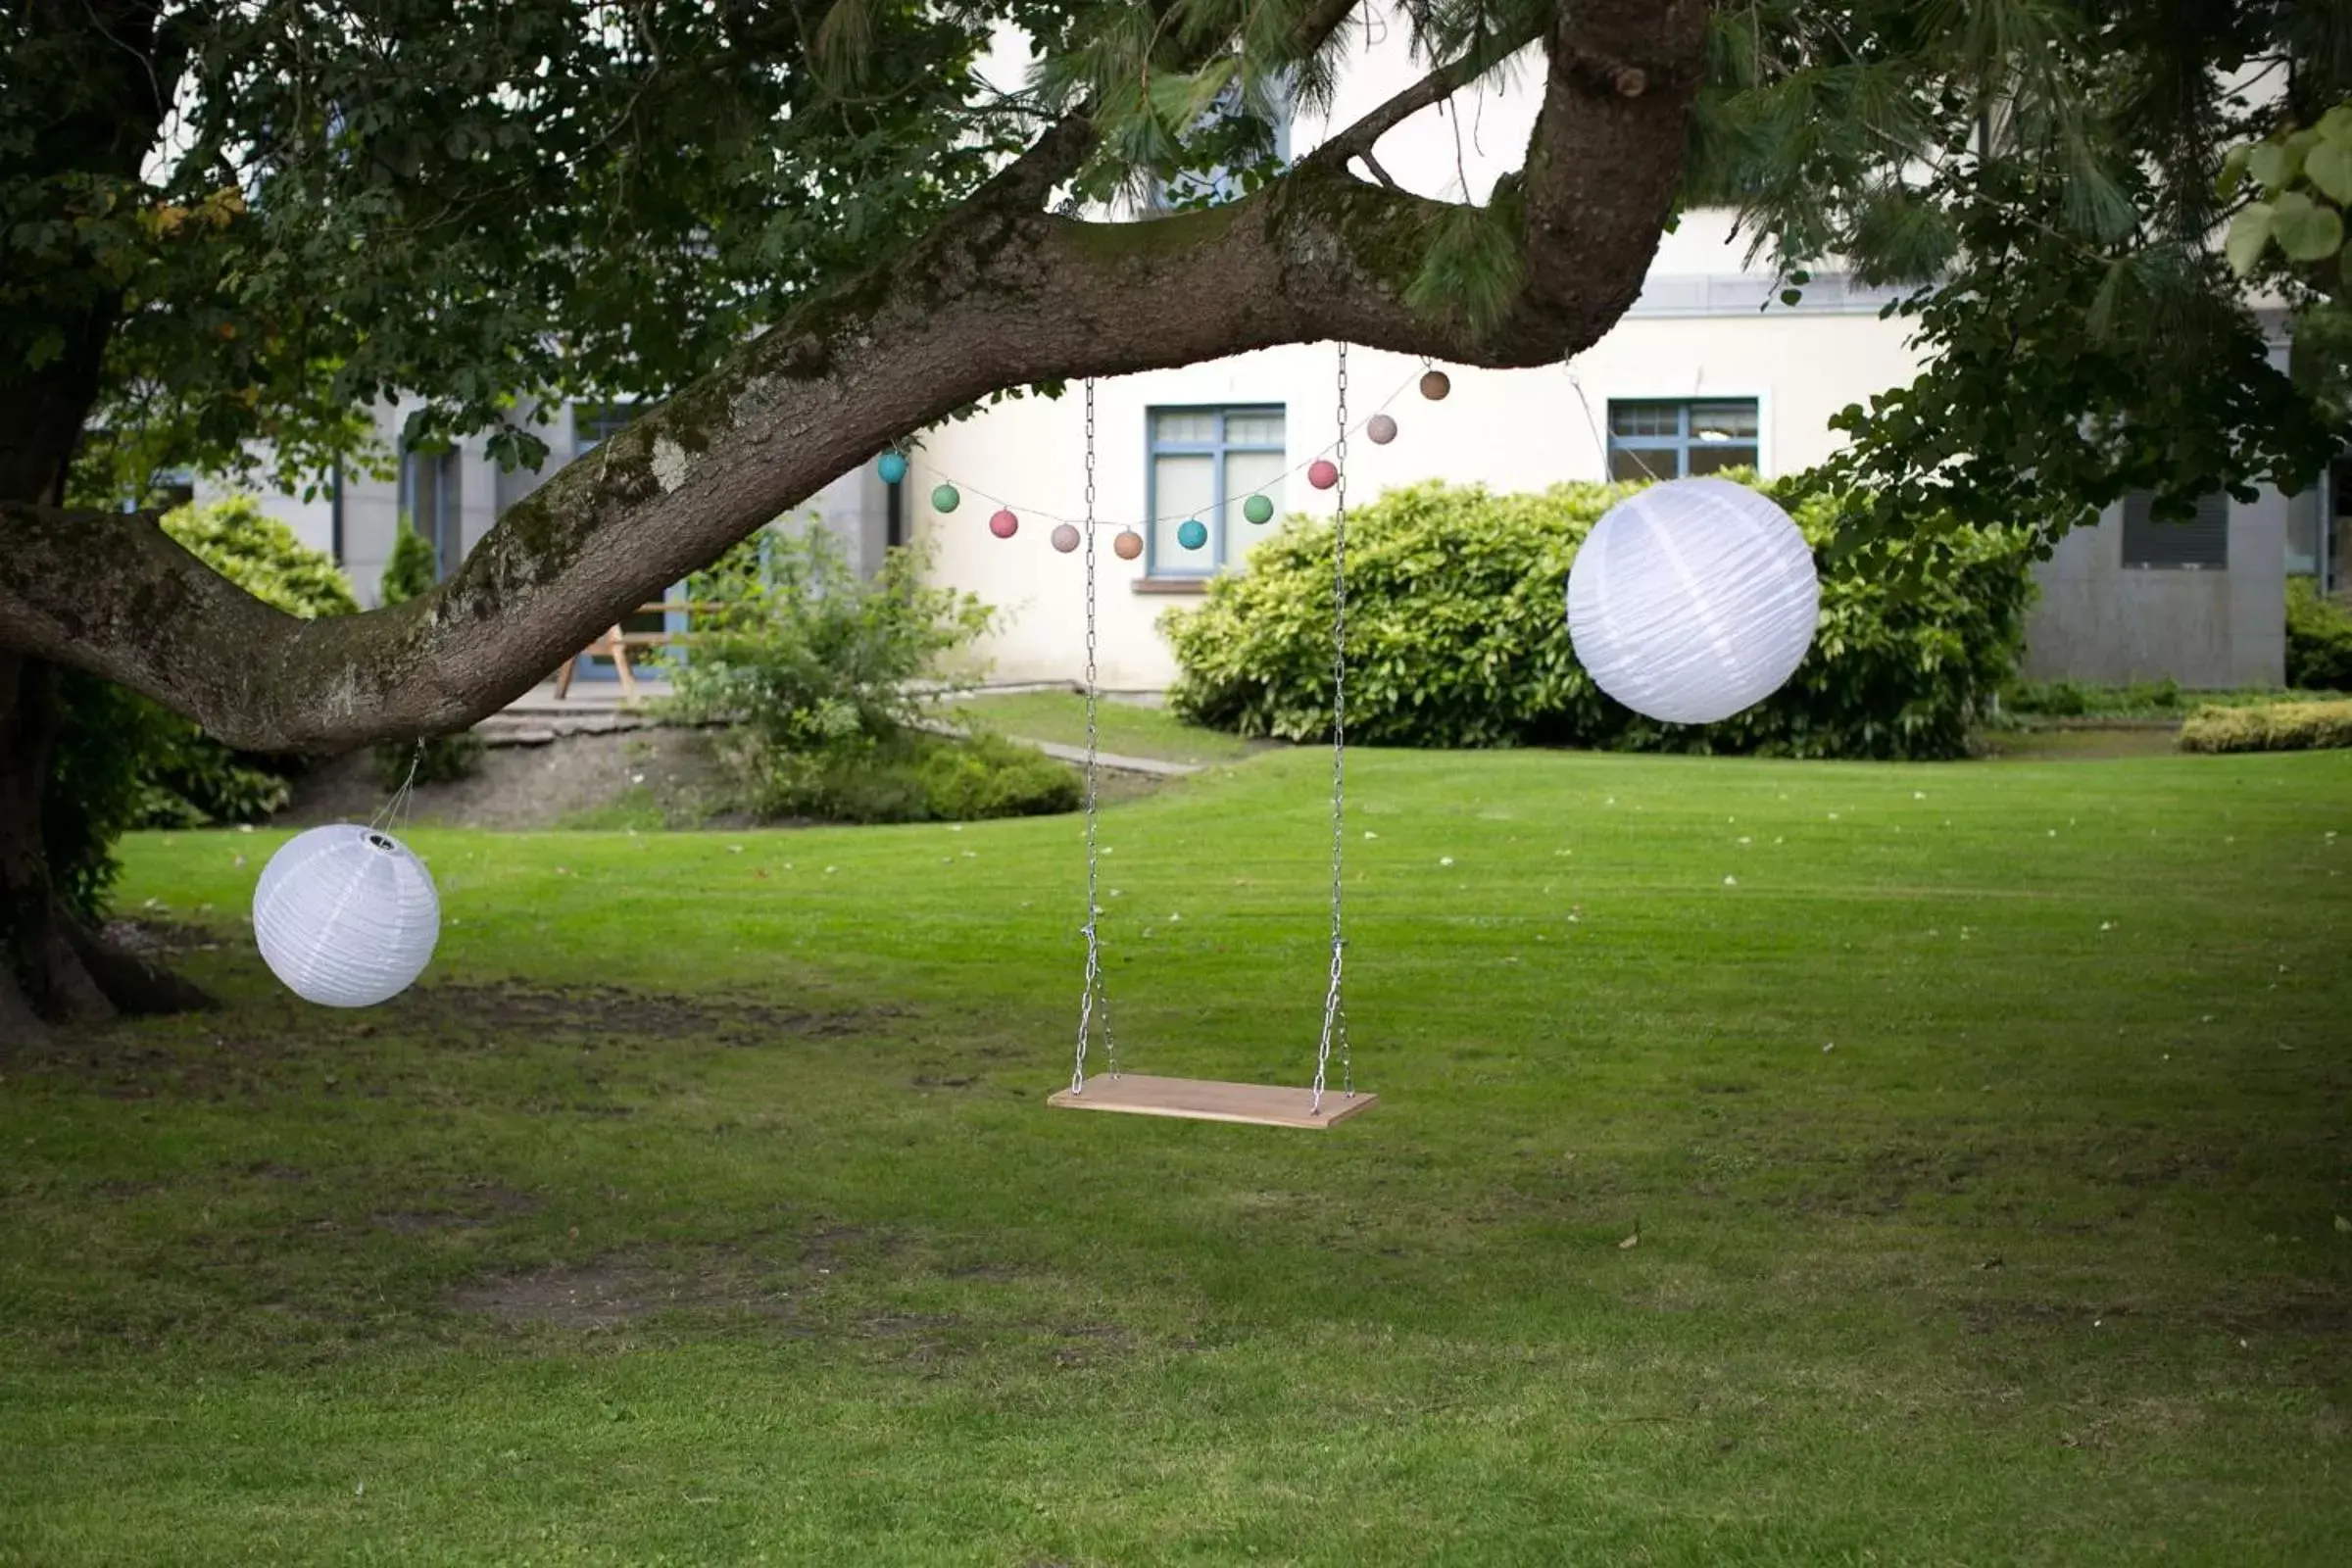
[(809, 231), (410, 573)]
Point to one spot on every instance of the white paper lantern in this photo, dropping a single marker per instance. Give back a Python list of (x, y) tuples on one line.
[(1693, 600), (345, 916)]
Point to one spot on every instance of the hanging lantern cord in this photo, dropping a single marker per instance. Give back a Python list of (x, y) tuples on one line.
[(1094, 1006), (387, 817), (1335, 1007)]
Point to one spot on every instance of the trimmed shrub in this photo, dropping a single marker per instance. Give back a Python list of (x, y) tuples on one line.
[(906, 777), (1458, 637), (2319, 639), (186, 777), (2279, 727), (410, 573)]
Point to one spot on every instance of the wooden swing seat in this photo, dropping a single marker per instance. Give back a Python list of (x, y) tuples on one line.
[(1206, 1099)]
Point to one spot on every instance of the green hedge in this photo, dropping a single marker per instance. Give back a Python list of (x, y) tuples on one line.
[(1458, 637), (2279, 727), (2319, 639)]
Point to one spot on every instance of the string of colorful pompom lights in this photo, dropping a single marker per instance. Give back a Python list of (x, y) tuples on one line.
[(894, 467)]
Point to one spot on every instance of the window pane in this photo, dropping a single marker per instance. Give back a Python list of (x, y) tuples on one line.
[(1646, 418), (1253, 429), (1717, 456), (594, 424), (1634, 463), (1183, 488), (1249, 473), (1184, 427), (1723, 421), (2201, 542)]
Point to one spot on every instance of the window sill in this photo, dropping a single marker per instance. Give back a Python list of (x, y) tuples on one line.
[(1171, 585)]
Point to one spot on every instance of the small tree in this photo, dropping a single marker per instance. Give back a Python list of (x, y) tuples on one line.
[(410, 573)]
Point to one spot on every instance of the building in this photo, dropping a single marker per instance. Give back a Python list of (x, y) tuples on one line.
[(1710, 370)]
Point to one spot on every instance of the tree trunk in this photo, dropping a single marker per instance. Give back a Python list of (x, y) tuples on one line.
[(53, 968)]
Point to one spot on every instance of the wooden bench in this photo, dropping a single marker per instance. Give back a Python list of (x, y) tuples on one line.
[(615, 644)]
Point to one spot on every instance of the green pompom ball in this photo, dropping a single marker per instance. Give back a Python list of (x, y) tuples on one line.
[(946, 498), (1192, 535), (1258, 508)]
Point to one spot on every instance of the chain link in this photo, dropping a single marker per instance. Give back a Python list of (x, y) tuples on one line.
[(1094, 1006), (1335, 1007)]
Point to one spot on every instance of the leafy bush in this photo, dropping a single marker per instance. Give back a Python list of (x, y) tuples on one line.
[(99, 786), (815, 669), (257, 553), (1458, 636), (186, 777), (2279, 727), (438, 759), (2319, 639)]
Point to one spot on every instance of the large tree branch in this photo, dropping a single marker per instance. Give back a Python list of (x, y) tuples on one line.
[(1001, 295)]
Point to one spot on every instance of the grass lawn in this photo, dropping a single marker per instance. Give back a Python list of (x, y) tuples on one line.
[(1983, 1130), (1126, 728)]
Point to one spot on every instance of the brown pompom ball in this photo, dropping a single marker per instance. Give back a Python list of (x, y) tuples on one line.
[(1128, 545), (1434, 385)]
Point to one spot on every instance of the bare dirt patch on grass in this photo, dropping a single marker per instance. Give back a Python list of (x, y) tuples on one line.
[(594, 1014)]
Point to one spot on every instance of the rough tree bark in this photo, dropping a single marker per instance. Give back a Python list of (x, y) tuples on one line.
[(1001, 294), (106, 100)]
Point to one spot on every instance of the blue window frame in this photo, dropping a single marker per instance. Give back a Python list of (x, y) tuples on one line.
[(1672, 438), (1204, 464)]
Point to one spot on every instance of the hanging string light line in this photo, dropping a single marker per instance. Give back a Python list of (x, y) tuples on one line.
[(1041, 514)]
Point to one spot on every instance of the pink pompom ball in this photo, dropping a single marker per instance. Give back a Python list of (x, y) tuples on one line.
[(1381, 428), (1065, 538), (1003, 524), (1322, 474)]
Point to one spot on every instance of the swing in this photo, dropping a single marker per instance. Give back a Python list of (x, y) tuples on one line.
[(1200, 1099)]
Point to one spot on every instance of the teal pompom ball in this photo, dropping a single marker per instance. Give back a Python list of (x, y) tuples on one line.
[(1193, 533), (892, 468)]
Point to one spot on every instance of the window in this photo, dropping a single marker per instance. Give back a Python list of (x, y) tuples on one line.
[(1218, 185), (1206, 462), (2198, 544), (592, 425), (595, 424), (430, 499), (1662, 439)]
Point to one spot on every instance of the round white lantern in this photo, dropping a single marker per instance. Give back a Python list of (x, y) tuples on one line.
[(345, 916), (1693, 600)]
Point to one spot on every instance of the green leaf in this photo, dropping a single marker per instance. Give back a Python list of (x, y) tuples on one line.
[(2304, 229), (2233, 172), (2336, 123), (2273, 165), (2249, 233), (2329, 166)]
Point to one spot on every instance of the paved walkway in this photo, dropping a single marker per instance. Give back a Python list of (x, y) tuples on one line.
[(539, 717)]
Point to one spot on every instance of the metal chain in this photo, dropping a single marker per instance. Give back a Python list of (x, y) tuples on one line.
[(1094, 1006), (1335, 1007)]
